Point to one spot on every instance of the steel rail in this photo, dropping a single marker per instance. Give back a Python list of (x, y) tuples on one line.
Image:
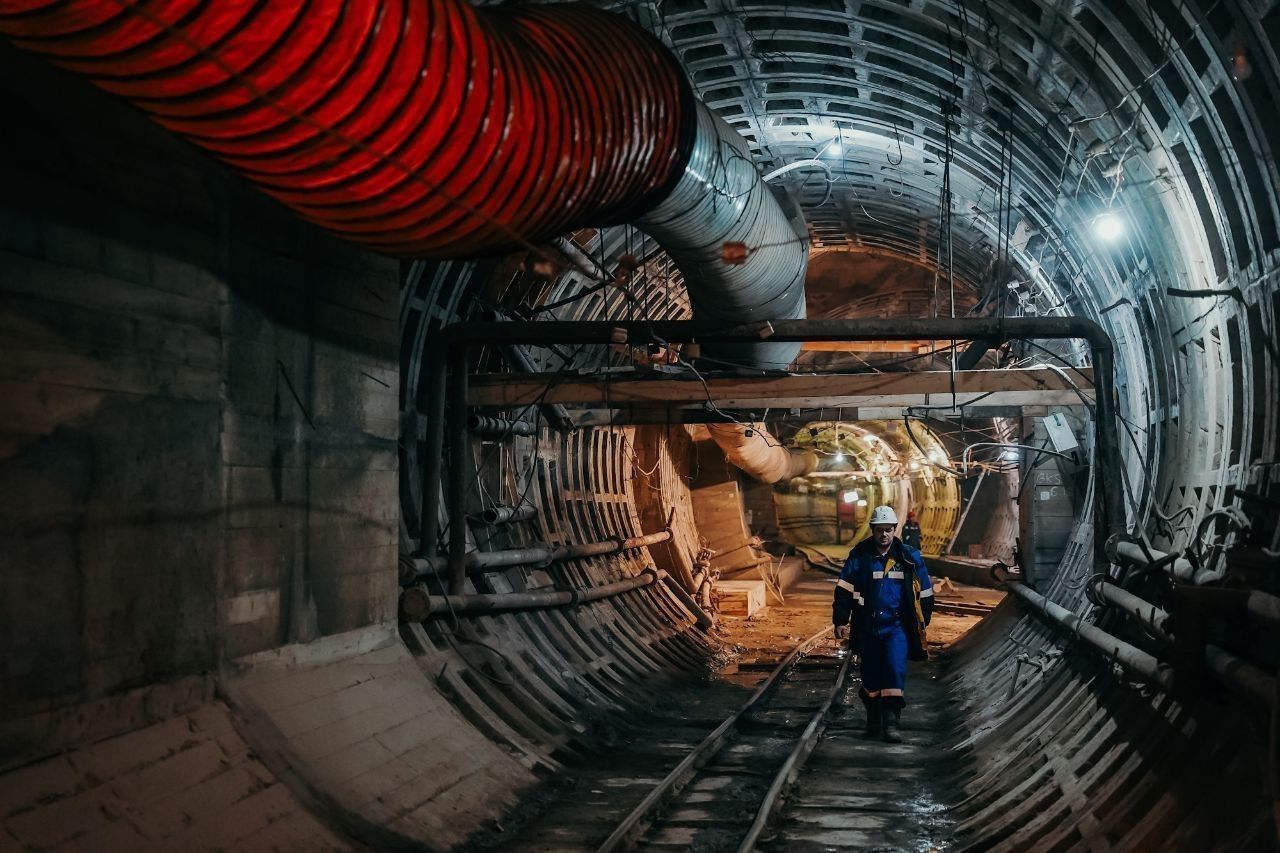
[(790, 770), (635, 823)]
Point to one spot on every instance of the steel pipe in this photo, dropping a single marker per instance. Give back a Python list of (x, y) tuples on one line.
[(1131, 553), (697, 608), (508, 514), (1255, 602), (1154, 618), (1240, 675), (1131, 657), (417, 604), (542, 554), (490, 427), (721, 204), (516, 356)]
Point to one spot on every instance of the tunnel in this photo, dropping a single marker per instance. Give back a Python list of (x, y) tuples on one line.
[(429, 425)]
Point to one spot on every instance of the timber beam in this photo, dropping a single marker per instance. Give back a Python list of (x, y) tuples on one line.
[(1025, 387)]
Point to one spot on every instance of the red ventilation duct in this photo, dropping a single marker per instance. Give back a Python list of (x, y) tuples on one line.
[(421, 128)]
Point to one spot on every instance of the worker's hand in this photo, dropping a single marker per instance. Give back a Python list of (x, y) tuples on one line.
[(842, 632)]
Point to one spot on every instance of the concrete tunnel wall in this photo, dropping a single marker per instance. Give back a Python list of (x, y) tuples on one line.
[(199, 539)]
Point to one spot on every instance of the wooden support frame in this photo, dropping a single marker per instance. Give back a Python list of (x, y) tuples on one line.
[(1024, 387)]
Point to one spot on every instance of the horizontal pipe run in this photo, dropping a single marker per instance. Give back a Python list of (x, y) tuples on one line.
[(542, 554), (1240, 675), (507, 514), (546, 332), (1131, 657), (1255, 602), (416, 604), (1236, 673), (1154, 618), (490, 427), (1181, 568)]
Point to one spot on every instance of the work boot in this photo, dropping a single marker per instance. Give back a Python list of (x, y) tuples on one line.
[(891, 717), (875, 725)]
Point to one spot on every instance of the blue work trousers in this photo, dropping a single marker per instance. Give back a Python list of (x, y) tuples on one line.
[(884, 663)]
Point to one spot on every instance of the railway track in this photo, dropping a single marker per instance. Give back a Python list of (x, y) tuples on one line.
[(724, 792)]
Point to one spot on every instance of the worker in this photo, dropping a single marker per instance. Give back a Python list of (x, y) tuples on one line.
[(885, 594), (911, 531)]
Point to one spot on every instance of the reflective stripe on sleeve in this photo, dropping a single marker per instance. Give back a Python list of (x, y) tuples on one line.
[(891, 691), (926, 593), (845, 585)]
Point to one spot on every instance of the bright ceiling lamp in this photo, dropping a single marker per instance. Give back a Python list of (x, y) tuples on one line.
[(839, 457), (1108, 227)]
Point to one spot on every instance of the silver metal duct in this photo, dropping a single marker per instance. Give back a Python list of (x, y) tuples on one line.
[(758, 454), (722, 203)]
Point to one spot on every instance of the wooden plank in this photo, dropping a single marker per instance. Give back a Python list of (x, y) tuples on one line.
[(1027, 387), (741, 598)]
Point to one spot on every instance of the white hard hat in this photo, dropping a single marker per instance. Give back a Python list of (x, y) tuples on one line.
[(883, 515)]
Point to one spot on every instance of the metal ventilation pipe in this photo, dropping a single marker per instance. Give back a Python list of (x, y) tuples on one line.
[(742, 249), (433, 129), (759, 455), (424, 128)]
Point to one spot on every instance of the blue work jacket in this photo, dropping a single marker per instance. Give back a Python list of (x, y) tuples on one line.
[(855, 596)]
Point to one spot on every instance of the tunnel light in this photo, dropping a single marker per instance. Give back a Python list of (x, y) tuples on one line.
[(839, 456), (1108, 227), (849, 496), (833, 150), (935, 456), (915, 465)]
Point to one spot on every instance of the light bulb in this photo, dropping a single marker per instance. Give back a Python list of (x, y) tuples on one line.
[(839, 456), (1108, 226)]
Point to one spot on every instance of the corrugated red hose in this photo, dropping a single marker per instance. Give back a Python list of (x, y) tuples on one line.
[(422, 128)]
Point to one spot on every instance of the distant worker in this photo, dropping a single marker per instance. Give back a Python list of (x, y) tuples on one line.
[(911, 531), (885, 591)]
